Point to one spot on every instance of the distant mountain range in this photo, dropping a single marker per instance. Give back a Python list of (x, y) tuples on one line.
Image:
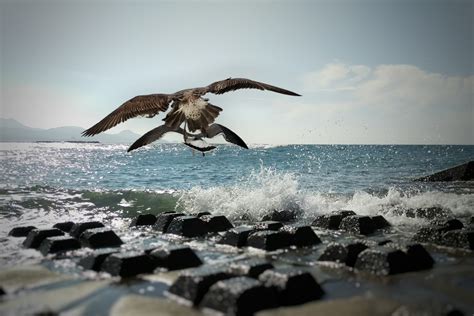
[(13, 131)]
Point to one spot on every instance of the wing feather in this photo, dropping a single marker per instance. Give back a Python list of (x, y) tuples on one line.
[(232, 84), (140, 105), (153, 135), (230, 136)]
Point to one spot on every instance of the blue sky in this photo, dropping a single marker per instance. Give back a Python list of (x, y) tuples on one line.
[(369, 71)]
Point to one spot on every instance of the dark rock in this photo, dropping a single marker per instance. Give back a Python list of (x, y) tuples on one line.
[(419, 258), (459, 239), (64, 226), (328, 221), (472, 219), (128, 264), (427, 235), (164, 219), (462, 172), (58, 244), (353, 251), (237, 236), (383, 261), (143, 220), (380, 222), (280, 216), (187, 226), (268, 225), (444, 225), (345, 213), (199, 214), (2, 292), (22, 231), (175, 257), (240, 296), (301, 236), (294, 286), (269, 240), (94, 261), (36, 236), (251, 267), (334, 252), (434, 232), (428, 213), (78, 228), (192, 285), (357, 224), (216, 223), (100, 238)]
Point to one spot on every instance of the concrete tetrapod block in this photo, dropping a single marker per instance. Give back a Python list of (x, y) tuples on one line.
[(353, 251), (192, 285), (78, 228), (128, 264), (380, 222), (294, 286), (21, 231), (36, 236), (164, 219), (268, 225), (383, 261), (187, 226), (58, 244), (94, 260), (269, 240), (175, 257), (240, 296), (435, 231), (334, 252), (462, 238), (216, 223), (64, 226), (236, 236), (100, 238), (301, 235), (357, 224), (280, 216), (250, 267), (143, 220)]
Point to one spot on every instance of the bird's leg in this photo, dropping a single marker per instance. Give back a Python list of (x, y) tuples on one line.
[(185, 134)]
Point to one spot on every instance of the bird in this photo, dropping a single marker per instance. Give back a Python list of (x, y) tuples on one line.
[(194, 141), (187, 105)]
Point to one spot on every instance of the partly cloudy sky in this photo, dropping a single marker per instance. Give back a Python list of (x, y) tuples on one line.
[(396, 72)]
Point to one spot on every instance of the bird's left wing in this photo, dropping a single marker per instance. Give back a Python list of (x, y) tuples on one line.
[(232, 84), (149, 104), (230, 136), (153, 135)]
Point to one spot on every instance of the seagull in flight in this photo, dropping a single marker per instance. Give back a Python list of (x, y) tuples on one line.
[(195, 141), (187, 105)]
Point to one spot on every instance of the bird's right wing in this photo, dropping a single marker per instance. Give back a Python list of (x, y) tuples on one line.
[(153, 135), (230, 136), (149, 104)]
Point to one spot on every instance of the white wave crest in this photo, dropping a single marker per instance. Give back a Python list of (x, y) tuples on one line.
[(267, 190)]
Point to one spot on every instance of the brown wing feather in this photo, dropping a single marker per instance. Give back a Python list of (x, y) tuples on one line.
[(232, 84), (140, 105)]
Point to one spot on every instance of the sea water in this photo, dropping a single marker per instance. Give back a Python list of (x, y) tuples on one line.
[(45, 183)]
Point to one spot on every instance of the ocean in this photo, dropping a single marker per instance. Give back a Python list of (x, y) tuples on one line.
[(43, 183), (46, 183)]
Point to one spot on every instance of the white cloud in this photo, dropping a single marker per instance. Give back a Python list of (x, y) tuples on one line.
[(390, 104)]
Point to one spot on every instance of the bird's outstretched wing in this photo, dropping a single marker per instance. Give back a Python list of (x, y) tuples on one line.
[(232, 84), (230, 136), (149, 104), (153, 135)]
